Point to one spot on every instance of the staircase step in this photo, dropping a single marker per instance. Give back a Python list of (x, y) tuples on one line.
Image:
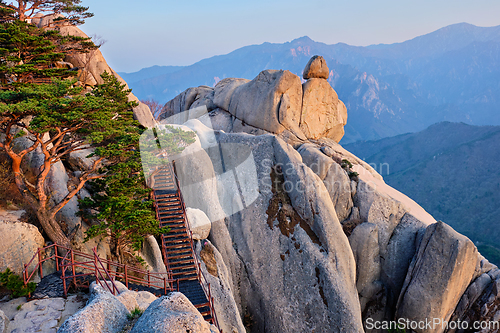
[(167, 196), (187, 274), (179, 245), (175, 242), (170, 217), (177, 228), (173, 209), (169, 220), (174, 235), (173, 223), (180, 256), (182, 267), (164, 177), (169, 205), (167, 212), (169, 252), (171, 262)]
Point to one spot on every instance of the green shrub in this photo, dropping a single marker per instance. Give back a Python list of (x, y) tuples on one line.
[(346, 165), (135, 313), (15, 284)]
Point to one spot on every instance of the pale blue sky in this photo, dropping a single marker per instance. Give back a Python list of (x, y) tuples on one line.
[(144, 33)]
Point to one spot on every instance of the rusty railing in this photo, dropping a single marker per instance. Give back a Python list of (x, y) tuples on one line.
[(101, 269)]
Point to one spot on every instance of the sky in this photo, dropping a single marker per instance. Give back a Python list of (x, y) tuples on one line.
[(141, 34)]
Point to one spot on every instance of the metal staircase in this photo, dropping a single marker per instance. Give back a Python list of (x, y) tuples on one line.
[(177, 245)]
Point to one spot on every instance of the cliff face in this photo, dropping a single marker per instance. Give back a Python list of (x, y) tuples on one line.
[(310, 235)]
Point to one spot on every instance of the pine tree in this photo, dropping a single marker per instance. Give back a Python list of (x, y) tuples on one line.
[(68, 11), (41, 102)]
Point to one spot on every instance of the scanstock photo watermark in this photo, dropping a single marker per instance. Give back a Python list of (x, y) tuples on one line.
[(430, 324)]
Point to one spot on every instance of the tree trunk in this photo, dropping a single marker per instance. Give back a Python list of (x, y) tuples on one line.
[(49, 224), (53, 229)]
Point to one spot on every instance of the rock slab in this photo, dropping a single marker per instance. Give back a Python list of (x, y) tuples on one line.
[(438, 276)]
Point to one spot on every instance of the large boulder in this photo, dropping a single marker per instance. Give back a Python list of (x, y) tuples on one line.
[(151, 253), (376, 206), (272, 101), (177, 110), (323, 114), (316, 68), (143, 114), (171, 314), (20, 241), (438, 276), (218, 120), (205, 97), (103, 313), (224, 90), (136, 299), (199, 223)]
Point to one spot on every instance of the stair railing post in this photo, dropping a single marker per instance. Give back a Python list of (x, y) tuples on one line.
[(164, 286), (73, 267), (96, 272), (63, 276), (126, 275), (55, 255), (40, 263)]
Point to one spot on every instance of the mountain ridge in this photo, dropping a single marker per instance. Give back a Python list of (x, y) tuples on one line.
[(448, 169), (387, 90)]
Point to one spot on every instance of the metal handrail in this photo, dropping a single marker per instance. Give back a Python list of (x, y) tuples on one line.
[(90, 263), (98, 260)]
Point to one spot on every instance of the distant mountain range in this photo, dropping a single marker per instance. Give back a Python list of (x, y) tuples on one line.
[(451, 74), (450, 169)]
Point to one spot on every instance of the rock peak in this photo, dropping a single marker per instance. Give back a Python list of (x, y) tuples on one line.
[(316, 68)]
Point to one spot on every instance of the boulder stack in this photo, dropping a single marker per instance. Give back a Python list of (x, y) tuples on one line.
[(274, 102), (323, 114)]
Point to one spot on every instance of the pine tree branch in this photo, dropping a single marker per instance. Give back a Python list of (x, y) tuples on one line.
[(83, 179)]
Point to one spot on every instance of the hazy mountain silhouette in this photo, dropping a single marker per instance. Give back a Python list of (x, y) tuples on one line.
[(447, 75)]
